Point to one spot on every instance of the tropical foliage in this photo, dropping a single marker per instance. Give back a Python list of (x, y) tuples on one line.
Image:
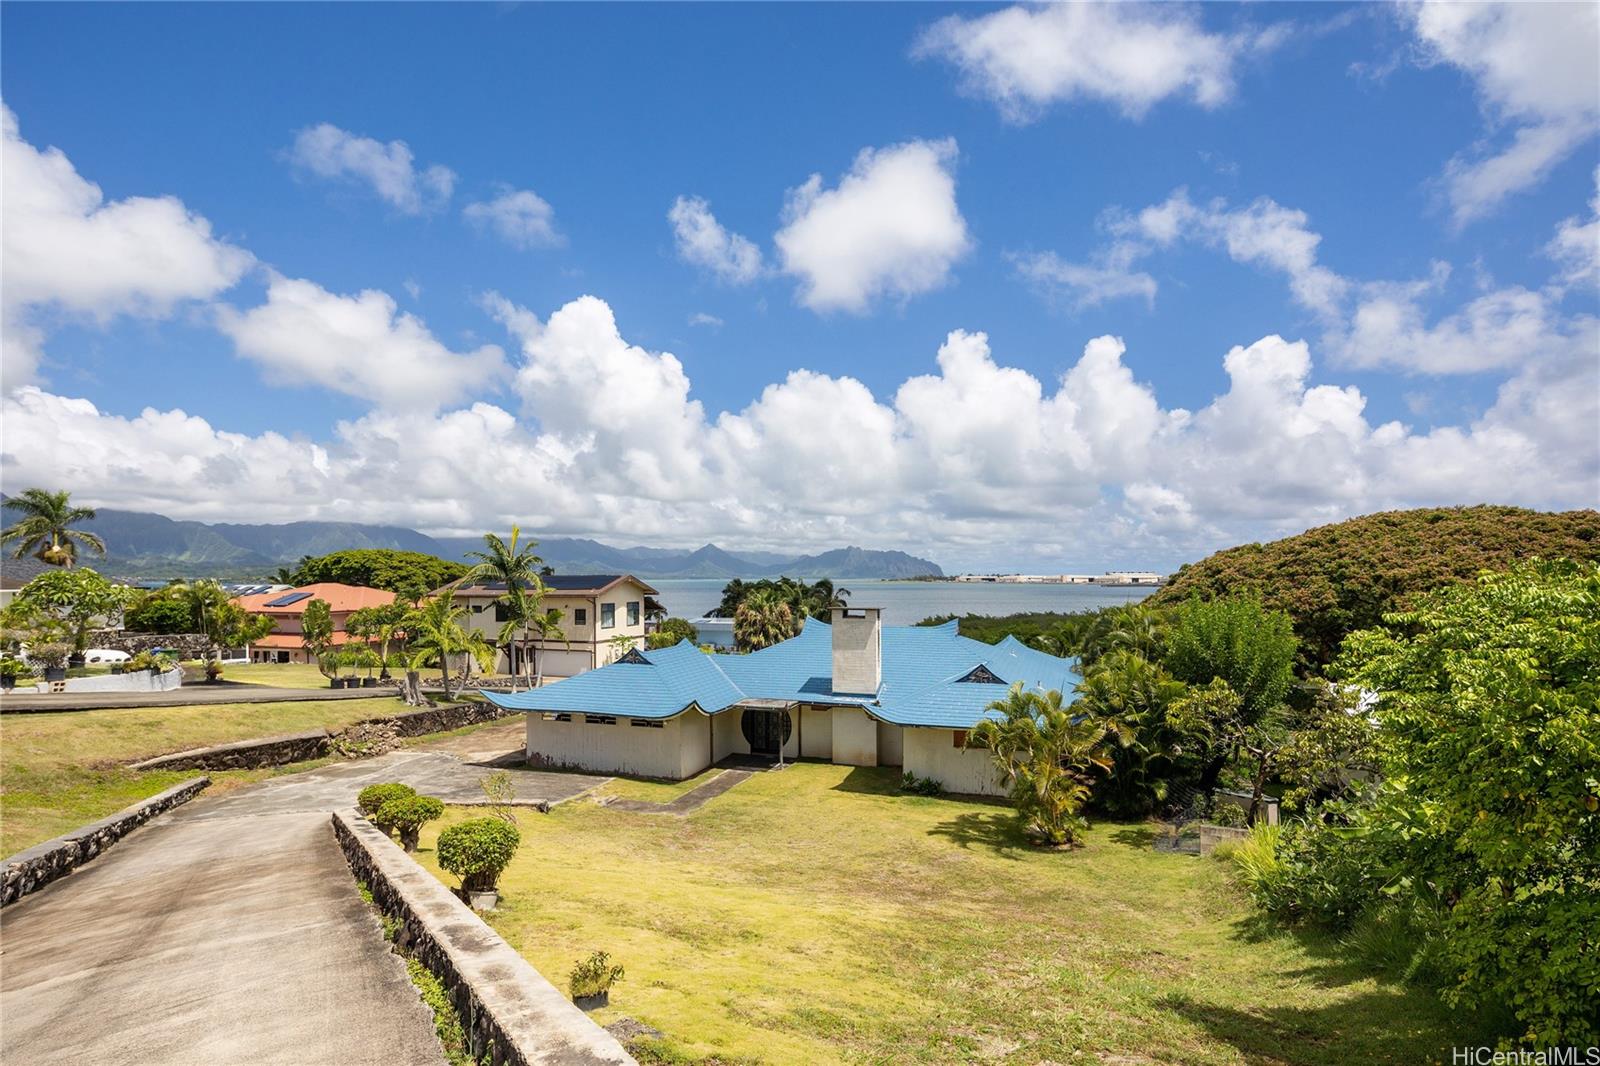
[(514, 565), (437, 636), (80, 599), (1476, 856), (670, 631), (44, 527), (1048, 755), (814, 600), (407, 574), (1339, 578), (764, 618), (477, 851)]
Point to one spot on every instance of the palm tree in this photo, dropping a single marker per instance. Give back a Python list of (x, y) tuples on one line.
[(1045, 752), (45, 528), (436, 634), (763, 619), (515, 565), (548, 626), (206, 600)]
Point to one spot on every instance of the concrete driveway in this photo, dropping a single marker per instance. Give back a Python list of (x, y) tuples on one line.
[(229, 931)]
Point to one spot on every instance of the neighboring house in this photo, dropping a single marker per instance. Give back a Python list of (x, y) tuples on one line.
[(595, 609), (853, 692), (286, 606), (15, 573)]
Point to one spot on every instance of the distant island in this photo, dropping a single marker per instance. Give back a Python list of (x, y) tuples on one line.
[(146, 545)]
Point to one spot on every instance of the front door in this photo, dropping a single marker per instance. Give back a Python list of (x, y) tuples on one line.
[(766, 731)]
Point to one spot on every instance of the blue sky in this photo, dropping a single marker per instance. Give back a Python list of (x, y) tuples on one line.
[(1405, 191)]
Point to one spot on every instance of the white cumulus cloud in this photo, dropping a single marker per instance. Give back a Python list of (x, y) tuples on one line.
[(390, 170), (65, 249), (1132, 56), (703, 241), (360, 345), (1536, 67), (520, 217), (890, 228)]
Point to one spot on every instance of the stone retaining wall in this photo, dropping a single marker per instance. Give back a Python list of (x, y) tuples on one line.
[(244, 754), (187, 645), (32, 869), (1212, 835), (507, 1008), (370, 736)]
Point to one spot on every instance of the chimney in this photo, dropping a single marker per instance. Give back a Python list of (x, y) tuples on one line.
[(857, 651)]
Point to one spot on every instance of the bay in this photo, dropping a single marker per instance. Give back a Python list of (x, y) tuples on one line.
[(906, 603)]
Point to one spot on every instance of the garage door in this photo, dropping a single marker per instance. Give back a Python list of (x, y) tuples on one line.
[(559, 662)]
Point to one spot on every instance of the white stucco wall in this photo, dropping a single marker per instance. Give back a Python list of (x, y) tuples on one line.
[(891, 750), (816, 733), (727, 739), (617, 749), (694, 743), (855, 737), (933, 753)]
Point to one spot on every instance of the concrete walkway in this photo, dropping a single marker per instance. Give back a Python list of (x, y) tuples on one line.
[(691, 800), (229, 931)]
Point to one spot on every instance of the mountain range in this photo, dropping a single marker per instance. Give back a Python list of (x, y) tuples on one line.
[(141, 544)]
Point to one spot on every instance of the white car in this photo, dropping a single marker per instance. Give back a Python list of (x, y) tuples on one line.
[(105, 655)]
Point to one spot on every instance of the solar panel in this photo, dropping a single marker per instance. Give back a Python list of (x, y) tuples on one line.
[(284, 601)]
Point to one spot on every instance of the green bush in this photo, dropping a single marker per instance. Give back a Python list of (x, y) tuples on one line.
[(371, 799), (593, 976), (920, 786), (1228, 814), (477, 851), (408, 814)]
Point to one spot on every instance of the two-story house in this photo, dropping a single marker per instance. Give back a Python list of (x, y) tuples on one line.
[(596, 610), (286, 607)]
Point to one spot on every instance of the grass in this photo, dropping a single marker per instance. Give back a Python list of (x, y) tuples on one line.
[(61, 770), (641, 788), (277, 675), (816, 915)]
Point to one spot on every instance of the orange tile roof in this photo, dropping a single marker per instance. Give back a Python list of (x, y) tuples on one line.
[(341, 598), (295, 642)]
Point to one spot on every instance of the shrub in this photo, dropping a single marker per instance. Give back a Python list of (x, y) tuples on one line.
[(371, 799), (1228, 814), (477, 850), (920, 786), (1263, 873), (593, 976), (408, 814)]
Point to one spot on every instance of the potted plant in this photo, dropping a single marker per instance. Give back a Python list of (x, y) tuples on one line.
[(372, 799), (591, 980), (407, 815), (213, 671), (371, 660), (119, 668), (328, 663), (51, 655), (477, 851), (12, 670)]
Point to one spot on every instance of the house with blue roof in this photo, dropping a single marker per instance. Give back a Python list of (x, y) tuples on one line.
[(849, 691)]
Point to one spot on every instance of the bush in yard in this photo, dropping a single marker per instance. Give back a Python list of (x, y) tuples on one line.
[(477, 850), (593, 976), (920, 786), (371, 799), (407, 814)]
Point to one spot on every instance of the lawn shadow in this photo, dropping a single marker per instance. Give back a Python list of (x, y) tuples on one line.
[(1134, 835), (996, 831), (870, 781)]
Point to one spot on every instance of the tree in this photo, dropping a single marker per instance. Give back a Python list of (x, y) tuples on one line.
[(1488, 714), (1126, 688), (1244, 644), (815, 600), (156, 612), (436, 634), (79, 598), (316, 634), (1046, 753), (401, 572), (44, 529), (764, 618), (379, 623), (515, 565), (547, 625), (671, 631)]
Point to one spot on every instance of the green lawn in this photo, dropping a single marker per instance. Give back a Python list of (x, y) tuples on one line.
[(61, 770), (815, 915), (278, 675)]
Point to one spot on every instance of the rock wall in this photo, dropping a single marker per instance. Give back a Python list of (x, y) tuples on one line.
[(187, 645), (244, 754), (437, 719), (30, 870), (507, 1007)]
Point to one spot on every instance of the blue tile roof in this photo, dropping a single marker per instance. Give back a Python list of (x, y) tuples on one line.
[(923, 668)]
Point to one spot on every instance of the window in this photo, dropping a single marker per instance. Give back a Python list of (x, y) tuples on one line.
[(644, 723), (557, 717), (608, 616), (502, 613), (599, 719), (962, 740), (633, 613), (580, 616)]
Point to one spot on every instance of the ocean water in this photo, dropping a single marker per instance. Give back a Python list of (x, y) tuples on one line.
[(906, 603)]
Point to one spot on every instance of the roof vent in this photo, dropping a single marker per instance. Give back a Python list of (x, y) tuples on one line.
[(633, 656), (980, 675)]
